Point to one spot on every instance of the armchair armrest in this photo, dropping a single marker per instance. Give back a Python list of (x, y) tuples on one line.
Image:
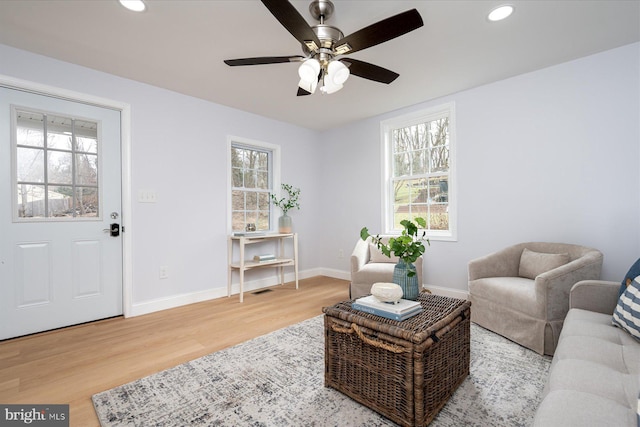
[(594, 295), (503, 263), (554, 286), (360, 255)]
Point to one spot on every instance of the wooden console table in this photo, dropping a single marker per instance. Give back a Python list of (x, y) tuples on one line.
[(244, 264)]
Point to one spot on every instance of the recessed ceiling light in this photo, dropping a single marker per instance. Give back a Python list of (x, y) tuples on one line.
[(500, 12), (135, 5)]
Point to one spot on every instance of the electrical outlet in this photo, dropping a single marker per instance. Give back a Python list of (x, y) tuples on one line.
[(164, 272), (340, 253)]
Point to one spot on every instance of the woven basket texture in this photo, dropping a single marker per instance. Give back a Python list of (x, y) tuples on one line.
[(405, 370)]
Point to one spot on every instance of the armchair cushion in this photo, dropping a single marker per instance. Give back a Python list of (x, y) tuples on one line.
[(627, 312), (376, 255), (534, 263)]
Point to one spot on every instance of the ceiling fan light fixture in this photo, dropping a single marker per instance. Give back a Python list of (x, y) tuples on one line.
[(338, 72), (309, 86), (328, 89), (501, 12), (329, 86), (309, 70)]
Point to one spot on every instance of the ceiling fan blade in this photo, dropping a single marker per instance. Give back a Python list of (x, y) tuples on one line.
[(380, 32), (369, 71), (291, 19), (263, 60)]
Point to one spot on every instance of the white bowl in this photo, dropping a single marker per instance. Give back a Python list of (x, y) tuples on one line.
[(386, 292)]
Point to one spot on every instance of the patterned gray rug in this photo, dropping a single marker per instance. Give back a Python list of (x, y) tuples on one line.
[(278, 380)]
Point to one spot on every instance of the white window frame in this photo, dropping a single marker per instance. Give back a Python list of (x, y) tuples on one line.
[(275, 174), (386, 128)]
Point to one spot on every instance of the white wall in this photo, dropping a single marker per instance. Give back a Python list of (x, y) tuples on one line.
[(551, 155), (179, 149)]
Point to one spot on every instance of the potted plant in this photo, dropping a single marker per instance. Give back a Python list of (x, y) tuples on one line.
[(286, 204), (408, 247)]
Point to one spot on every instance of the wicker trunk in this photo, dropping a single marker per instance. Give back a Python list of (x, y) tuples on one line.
[(406, 370)]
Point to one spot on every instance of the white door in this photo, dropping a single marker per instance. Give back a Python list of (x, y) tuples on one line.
[(60, 189)]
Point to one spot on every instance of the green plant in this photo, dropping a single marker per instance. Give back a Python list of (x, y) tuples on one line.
[(287, 204), (408, 246)]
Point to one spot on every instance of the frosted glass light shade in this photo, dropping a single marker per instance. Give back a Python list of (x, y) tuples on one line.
[(338, 72), (308, 86), (330, 87), (309, 70)]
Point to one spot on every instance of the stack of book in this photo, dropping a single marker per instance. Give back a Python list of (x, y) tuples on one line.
[(264, 258), (400, 311)]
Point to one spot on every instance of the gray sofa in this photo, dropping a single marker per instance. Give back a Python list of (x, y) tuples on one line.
[(594, 378)]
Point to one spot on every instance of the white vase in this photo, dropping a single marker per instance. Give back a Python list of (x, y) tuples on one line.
[(284, 224)]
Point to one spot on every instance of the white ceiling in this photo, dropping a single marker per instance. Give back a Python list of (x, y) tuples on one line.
[(180, 45)]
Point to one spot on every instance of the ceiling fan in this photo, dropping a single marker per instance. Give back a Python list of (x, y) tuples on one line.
[(324, 46)]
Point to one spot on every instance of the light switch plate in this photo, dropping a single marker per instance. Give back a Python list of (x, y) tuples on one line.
[(147, 196)]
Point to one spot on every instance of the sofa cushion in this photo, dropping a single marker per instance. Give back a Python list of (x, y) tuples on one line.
[(570, 408), (627, 312), (594, 377), (534, 263)]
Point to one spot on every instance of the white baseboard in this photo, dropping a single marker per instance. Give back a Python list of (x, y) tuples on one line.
[(146, 307), (336, 274), (447, 292), (174, 301)]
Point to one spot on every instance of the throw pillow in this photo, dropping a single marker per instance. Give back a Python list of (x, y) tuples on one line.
[(627, 312), (375, 255), (634, 271), (534, 263)]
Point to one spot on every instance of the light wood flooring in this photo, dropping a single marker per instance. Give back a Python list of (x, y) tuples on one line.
[(69, 365)]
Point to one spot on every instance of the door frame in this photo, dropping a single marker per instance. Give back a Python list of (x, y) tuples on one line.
[(125, 160)]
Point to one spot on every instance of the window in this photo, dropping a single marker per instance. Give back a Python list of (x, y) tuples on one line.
[(254, 175), (418, 156), (55, 166)]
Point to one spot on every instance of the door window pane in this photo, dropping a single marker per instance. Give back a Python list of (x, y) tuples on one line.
[(57, 166), (30, 164), (86, 169)]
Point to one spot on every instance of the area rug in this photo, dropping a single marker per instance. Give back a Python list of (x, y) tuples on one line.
[(278, 380)]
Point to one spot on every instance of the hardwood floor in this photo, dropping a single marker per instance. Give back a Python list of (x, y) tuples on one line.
[(70, 365)]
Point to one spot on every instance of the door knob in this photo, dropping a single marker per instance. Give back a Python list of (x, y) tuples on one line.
[(113, 230)]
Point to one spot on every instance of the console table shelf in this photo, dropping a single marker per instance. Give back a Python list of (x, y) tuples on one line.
[(242, 264)]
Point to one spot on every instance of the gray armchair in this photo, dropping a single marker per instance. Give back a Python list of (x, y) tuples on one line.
[(522, 292), (369, 265)]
